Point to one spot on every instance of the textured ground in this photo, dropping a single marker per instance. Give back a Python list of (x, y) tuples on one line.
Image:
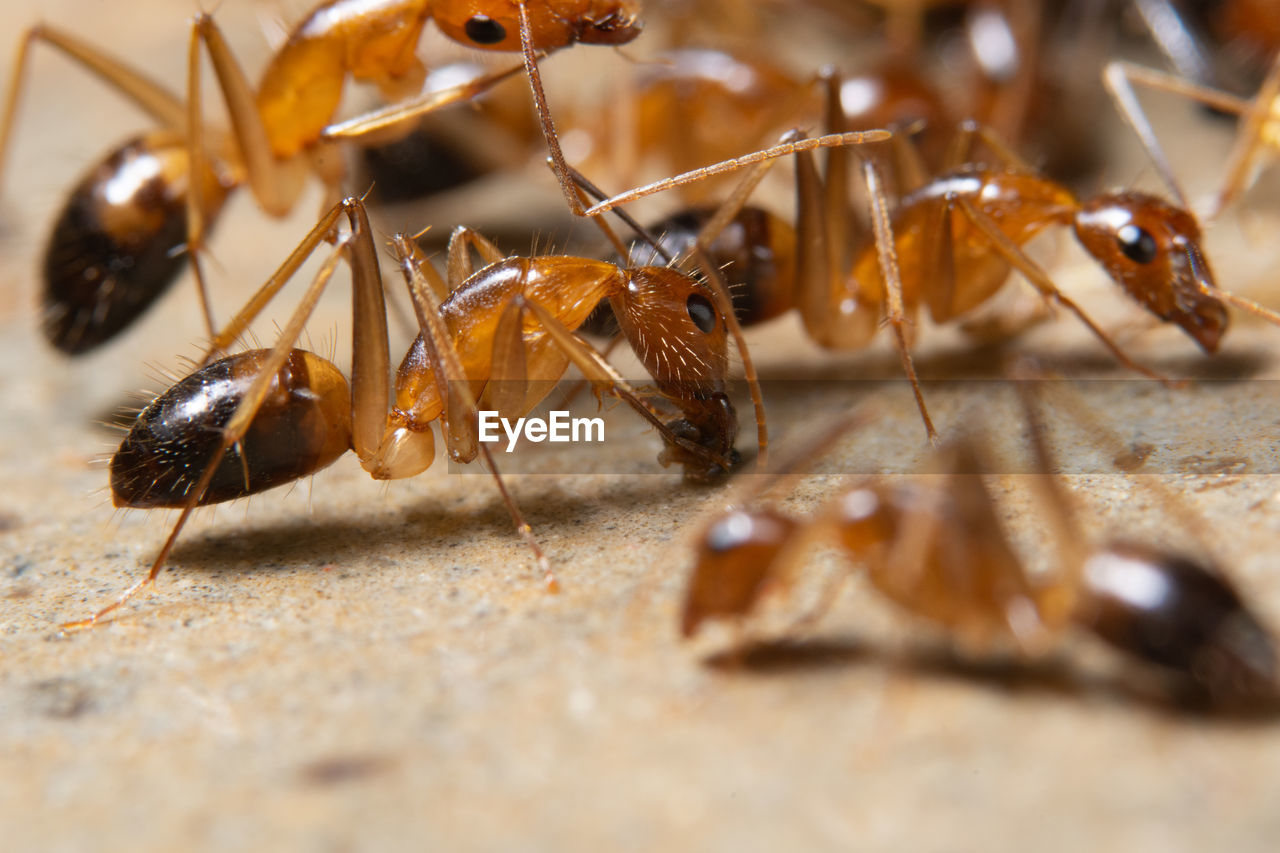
[(355, 666)]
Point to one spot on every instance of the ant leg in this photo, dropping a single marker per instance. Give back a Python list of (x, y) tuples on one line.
[(1119, 77), (558, 163), (276, 184), (895, 311), (816, 280), (322, 230), (782, 149), (1116, 80), (1040, 280), (459, 267), (836, 180), (820, 608), (940, 263), (460, 414), (154, 99), (233, 432), (195, 192), (401, 115), (603, 377), (960, 149), (509, 390), (724, 306)]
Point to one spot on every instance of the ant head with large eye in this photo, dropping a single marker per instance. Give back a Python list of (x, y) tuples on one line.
[(674, 326), (553, 24), (1152, 249)]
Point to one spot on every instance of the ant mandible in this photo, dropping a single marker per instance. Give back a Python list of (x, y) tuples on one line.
[(113, 253)]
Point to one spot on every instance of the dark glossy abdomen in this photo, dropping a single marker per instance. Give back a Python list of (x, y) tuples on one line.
[(1167, 610), (302, 426), (116, 246)]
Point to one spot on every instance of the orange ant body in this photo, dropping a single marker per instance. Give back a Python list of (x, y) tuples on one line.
[(935, 548), (500, 336), (113, 250), (954, 240)]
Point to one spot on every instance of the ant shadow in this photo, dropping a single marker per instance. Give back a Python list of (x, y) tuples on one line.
[(432, 523), (1054, 676), (990, 362)]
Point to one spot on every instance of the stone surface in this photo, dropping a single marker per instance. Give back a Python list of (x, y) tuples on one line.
[(349, 665)]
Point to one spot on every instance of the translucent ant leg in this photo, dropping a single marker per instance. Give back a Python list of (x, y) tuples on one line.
[(838, 215), (784, 149), (821, 607), (960, 150), (940, 261), (1250, 139), (1106, 436), (403, 114), (232, 433), (1116, 80), (460, 413), (154, 99), (321, 231), (895, 311), (458, 266), (1041, 281), (558, 163), (195, 192)]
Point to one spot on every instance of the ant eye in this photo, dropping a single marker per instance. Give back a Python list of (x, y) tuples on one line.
[(1137, 244), (701, 313), (482, 29)]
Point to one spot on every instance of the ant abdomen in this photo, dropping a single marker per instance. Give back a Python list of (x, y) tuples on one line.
[(304, 425), (117, 245), (1167, 610), (755, 252), (736, 563)]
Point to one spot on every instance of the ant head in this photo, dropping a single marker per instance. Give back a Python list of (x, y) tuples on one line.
[(736, 556), (1168, 610), (1152, 250), (495, 24), (675, 329)]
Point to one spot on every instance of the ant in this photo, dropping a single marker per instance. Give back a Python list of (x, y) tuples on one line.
[(935, 548), (114, 252), (500, 336), (954, 241)]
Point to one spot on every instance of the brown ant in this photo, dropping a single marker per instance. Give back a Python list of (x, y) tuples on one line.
[(499, 336), (115, 247), (956, 238), (934, 547)]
